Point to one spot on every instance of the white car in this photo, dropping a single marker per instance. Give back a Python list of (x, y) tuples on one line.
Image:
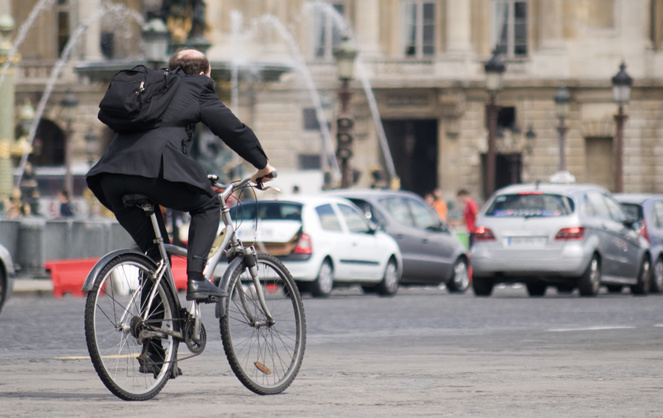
[(324, 241)]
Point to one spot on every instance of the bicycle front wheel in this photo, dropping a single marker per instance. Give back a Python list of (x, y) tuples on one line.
[(264, 355), (127, 328)]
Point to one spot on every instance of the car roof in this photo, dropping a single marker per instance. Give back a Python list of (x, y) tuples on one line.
[(369, 193), (636, 197), (308, 200), (559, 188)]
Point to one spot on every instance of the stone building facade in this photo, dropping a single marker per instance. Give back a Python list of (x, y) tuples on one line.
[(423, 61)]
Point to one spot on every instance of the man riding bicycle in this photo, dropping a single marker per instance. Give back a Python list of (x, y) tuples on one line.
[(156, 163)]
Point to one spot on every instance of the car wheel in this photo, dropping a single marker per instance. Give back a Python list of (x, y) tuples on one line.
[(644, 279), (615, 288), (389, 284), (657, 277), (322, 286), (590, 281), (482, 286), (536, 288), (460, 280)]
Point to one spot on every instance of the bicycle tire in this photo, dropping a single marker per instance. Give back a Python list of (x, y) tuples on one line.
[(112, 336), (266, 359)]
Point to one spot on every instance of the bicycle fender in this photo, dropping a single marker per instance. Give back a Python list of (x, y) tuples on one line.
[(220, 310), (92, 276)]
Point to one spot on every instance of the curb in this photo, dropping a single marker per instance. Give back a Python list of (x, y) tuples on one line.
[(32, 287)]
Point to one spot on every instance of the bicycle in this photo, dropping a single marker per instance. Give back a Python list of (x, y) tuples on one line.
[(133, 302)]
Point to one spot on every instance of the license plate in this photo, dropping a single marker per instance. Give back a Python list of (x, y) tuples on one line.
[(525, 242)]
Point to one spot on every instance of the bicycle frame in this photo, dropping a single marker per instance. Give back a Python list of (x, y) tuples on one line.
[(229, 243)]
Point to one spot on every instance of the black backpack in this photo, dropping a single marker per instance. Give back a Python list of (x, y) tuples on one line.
[(136, 99)]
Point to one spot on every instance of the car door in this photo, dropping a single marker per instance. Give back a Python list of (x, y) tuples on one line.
[(628, 261), (601, 224), (333, 238), (364, 251), (414, 241), (436, 247)]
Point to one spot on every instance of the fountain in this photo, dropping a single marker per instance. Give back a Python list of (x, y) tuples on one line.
[(339, 22), (22, 33), (104, 11)]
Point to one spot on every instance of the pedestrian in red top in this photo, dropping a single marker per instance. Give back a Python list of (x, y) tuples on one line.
[(470, 213)]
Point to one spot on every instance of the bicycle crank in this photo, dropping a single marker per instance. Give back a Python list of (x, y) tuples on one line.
[(195, 344)]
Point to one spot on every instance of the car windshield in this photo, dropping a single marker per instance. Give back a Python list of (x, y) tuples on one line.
[(271, 211), (533, 204)]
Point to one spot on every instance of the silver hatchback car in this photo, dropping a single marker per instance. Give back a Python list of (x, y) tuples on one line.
[(563, 235)]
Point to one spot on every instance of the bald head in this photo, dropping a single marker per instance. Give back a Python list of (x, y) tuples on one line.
[(191, 61)]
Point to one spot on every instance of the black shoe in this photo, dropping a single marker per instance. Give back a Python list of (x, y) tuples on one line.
[(151, 361), (203, 290)]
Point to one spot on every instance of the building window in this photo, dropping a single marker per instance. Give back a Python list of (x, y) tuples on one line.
[(310, 118), (63, 25), (510, 27), (418, 28), (326, 33), (309, 161)]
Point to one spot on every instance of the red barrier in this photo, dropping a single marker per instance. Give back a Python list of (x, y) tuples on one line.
[(68, 276)]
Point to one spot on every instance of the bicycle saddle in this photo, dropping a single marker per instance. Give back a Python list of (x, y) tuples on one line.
[(136, 200)]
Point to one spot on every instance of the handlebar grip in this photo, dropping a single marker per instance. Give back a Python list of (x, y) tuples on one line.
[(259, 182)]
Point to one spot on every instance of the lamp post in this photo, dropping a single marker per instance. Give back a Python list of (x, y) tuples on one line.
[(6, 108), (156, 39), (621, 93), (68, 103), (345, 54), (494, 69), (562, 100)]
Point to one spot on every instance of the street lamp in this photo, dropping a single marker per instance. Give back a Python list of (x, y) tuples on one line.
[(621, 93), (156, 39), (345, 54), (26, 116), (562, 100), (494, 69), (68, 103)]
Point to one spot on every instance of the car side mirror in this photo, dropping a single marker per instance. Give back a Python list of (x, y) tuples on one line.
[(632, 223)]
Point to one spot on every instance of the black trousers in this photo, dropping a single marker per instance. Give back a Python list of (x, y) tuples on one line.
[(203, 206)]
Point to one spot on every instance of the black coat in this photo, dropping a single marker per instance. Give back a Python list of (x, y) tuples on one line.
[(164, 151)]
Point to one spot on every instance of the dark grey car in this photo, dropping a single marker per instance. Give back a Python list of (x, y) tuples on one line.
[(648, 209), (6, 276), (431, 251)]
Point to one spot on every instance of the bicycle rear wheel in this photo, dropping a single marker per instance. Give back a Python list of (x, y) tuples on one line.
[(118, 329), (265, 358)]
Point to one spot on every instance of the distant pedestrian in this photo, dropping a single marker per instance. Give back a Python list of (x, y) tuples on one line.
[(439, 204), (66, 208), (470, 213)]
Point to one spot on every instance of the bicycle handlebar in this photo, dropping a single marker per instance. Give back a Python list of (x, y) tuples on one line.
[(233, 185)]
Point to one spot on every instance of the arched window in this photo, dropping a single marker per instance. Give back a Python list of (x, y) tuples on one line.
[(48, 145)]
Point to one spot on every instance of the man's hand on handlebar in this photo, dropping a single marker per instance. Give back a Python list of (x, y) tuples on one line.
[(264, 175)]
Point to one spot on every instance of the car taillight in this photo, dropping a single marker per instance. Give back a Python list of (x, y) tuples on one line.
[(576, 232), (643, 231), (481, 233), (303, 245)]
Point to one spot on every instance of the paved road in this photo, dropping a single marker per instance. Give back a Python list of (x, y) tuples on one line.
[(421, 353)]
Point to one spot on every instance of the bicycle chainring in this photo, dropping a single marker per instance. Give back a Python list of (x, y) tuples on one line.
[(196, 346)]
